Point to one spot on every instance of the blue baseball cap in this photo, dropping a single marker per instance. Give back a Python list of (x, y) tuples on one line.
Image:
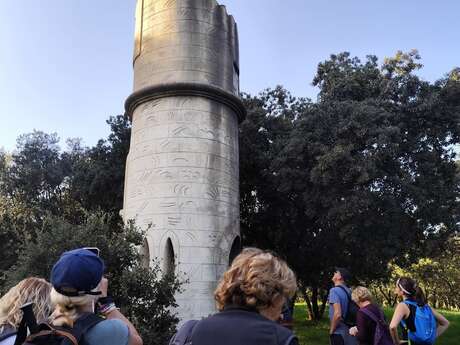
[(77, 272)]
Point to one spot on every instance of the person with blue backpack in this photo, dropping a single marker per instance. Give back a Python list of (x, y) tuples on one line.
[(419, 321)]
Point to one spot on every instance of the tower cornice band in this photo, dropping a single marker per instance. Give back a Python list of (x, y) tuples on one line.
[(184, 89)]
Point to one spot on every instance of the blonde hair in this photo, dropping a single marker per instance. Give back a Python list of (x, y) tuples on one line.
[(255, 279), (32, 289), (68, 309), (361, 294)]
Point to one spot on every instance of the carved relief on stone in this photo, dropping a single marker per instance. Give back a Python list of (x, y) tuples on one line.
[(182, 169)]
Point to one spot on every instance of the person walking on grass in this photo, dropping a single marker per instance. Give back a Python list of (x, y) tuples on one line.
[(421, 324), (339, 300)]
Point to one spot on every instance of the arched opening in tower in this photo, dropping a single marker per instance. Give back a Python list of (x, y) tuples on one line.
[(235, 250), (169, 258), (145, 253)]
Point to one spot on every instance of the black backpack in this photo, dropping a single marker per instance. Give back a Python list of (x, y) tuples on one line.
[(352, 310), (46, 334), (382, 334)]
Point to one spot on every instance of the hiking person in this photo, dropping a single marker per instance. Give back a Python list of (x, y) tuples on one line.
[(421, 323), (78, 284), (250, 298), (35, 290), (339, 309), (371, 327)]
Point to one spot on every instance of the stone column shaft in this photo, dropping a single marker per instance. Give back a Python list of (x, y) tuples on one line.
[(182, 168)]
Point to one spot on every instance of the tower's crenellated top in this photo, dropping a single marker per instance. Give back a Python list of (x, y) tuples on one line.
[(185, 41)]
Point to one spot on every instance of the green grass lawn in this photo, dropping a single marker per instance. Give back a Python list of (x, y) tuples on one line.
[(317, 333)]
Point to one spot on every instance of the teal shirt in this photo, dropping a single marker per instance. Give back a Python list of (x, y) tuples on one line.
[(108, 332)]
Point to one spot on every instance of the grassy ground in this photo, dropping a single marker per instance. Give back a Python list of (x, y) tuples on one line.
[(316, 333)]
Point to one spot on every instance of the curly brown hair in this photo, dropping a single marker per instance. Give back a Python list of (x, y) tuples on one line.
[(255, 279)]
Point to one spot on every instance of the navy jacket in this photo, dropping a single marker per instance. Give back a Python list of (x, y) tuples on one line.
[(240, 326)]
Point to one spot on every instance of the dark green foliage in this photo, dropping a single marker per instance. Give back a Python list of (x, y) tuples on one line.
[(53, 200), (362, 177), (150, 302), (99, 175), (49, 181), (9, 245), (142, 293), (36, 173)]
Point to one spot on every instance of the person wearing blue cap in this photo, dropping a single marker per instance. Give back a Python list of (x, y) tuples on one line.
[(78, 284)]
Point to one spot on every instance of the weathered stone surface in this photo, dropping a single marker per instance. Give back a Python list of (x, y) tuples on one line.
[(182, 168)]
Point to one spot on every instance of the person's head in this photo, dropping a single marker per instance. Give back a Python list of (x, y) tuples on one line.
[(34, 290), (75, 278), (258, 280), (361, 295), (408, 288), (341, 276)]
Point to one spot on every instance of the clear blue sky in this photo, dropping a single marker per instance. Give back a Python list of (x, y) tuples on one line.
[(65, 66)]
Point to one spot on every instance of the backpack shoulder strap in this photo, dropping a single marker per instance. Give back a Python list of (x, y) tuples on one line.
[(409, 323), (22, 332), (346, 292), (84, 323), (47, 330), (410, 303), (184, 334), (369, 313), (291, 338)]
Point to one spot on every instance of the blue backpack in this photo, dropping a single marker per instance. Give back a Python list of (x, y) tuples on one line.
[(425, 324)]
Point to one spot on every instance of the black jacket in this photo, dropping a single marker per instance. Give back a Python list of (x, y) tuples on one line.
[(240, 326)]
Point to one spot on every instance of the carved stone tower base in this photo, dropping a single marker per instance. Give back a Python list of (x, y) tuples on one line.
[(182, 168)]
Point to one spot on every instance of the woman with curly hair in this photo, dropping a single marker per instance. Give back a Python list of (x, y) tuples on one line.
[(34, 290), (250, 298)]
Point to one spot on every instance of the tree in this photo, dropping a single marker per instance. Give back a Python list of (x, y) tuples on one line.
[(99, 176), (438, 276), (68, 182), (144, 294), (53, 200), (9, 245), (367, 169), (36, 174)]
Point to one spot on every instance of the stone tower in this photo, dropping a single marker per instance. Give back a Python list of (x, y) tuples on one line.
[(182, 168)]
